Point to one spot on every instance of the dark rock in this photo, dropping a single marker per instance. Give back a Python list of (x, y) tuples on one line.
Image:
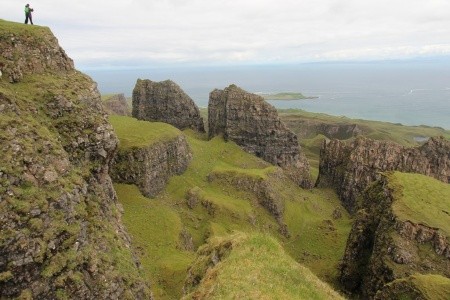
[(350, 167), (165, 102), (150, 168), (249, 121)]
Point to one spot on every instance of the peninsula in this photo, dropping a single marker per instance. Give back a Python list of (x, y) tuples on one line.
[(286, 96)]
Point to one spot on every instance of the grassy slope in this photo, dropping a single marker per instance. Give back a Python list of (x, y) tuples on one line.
[(314, 241), (257, 267), (431, 286), (422, 200), (135, 133)]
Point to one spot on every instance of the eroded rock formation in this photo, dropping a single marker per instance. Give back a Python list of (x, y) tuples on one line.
[(117, 105), (151, 167), (165, 102), (252, 123), (382, 247), (350, 167), (61, 230)]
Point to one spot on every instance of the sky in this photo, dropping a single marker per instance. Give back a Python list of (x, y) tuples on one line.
[(136, 33)]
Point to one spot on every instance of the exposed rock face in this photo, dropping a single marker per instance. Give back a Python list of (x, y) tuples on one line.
[(165, 102), (61, 230), (382, 248), (254, 125), (151, 167), (26, 52), (117, 105), (351, 167)]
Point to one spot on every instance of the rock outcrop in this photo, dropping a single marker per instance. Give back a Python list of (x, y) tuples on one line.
[(117, 105), (151, 167), (61, 230), (252, 123), (383, 246), (165, 102), (350, 167), (27, 51)]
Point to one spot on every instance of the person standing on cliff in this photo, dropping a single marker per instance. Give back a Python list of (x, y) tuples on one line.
[(28, 11)]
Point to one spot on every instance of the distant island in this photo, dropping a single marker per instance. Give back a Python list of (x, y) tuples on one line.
[(286, 96)]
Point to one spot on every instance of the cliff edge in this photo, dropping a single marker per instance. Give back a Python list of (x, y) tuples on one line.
[(61, 229), (252, 123)]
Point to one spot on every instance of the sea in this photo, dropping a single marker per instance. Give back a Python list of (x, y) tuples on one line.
[(413, 92)]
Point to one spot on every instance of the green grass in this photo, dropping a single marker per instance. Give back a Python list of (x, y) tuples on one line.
[(422, 199), (155, 228), (257, 267), (136, 133), (235, 208), (404, 135), (432, 286)]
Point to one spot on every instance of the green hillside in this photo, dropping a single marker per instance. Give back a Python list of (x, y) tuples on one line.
[(422, 199), (217, 178), (252, 266)]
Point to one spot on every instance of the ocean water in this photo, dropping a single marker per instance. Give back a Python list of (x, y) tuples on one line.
[(406, 92)]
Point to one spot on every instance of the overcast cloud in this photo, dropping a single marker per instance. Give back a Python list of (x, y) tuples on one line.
[(131, 33)]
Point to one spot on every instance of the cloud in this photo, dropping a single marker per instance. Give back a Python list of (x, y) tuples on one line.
[(130, 32)]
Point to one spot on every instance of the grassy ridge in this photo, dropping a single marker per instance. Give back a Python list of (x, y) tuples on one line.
[(256, 267), (155, 230), (136, 133), (422, 199)]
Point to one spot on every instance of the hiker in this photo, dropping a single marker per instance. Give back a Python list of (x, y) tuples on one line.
[(28, 11)]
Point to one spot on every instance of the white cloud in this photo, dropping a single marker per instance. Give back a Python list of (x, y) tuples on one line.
[(256, 31)]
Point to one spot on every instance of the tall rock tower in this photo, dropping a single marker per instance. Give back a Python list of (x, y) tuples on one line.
[(252, 123), (165, 102)]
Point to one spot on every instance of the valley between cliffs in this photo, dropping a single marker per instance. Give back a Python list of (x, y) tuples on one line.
[(98, 204)]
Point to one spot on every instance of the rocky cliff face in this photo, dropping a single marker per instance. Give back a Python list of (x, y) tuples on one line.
[(254, 125), (165, 102), (28, 51), (350, 167), (383, 247), (62, 235), (117, 105), (151, 167)]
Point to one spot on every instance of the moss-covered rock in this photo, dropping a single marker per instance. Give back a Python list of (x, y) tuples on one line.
[(62, 235)]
